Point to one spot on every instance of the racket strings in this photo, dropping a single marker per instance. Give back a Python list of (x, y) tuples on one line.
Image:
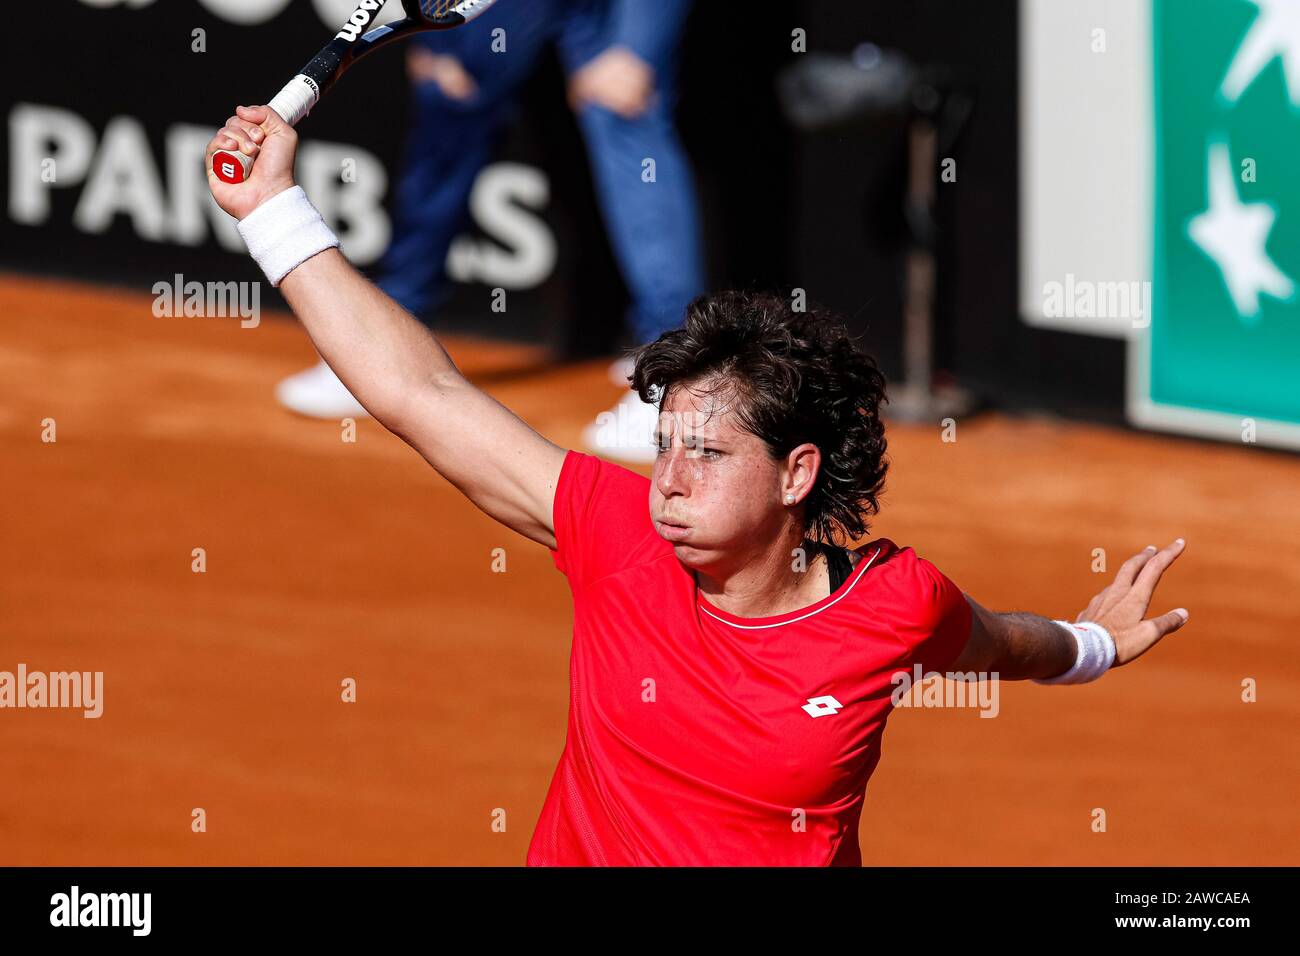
[(437, 9)]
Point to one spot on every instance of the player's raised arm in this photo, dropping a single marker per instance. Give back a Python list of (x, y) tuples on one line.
[(1112, 630), (392, 363)]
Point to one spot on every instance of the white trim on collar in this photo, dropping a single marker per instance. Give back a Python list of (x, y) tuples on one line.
[(860, 570)]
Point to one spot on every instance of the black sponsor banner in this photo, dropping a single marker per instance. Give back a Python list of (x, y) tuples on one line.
[(237, 904), (109, 104)]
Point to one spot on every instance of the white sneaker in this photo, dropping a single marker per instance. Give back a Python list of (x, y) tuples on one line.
[(318, 393), (621, 371), (625, 432)]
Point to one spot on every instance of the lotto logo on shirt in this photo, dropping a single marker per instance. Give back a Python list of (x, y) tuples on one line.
[(822, 706)]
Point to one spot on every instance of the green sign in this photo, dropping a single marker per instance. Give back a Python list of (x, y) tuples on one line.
[(1222, 353)]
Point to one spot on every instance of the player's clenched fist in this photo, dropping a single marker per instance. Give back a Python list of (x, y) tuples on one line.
[(259, 133)]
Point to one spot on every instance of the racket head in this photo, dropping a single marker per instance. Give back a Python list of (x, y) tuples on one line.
[(445, 14)]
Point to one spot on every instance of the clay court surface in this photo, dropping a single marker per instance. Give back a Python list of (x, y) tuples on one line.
[(328, 560)]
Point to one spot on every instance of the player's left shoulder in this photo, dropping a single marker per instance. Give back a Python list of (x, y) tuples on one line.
[(874, 554), (912, 580)]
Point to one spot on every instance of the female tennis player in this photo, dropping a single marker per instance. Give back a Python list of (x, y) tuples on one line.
[(732, 666)]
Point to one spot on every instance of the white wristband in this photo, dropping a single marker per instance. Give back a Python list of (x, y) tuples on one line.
[(284, 232), (1096, 654)]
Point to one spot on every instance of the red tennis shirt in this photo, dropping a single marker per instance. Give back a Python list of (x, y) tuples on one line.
[(697, 737)]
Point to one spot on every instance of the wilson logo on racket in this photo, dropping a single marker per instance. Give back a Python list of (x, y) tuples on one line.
[(359, 20)]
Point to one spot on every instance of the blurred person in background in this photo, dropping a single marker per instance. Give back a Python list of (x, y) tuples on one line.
[(619, 57)]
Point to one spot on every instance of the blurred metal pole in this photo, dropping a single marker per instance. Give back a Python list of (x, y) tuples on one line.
[(829, 91), (917, 399)]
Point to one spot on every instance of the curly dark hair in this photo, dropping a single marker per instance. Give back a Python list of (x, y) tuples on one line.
[(796, 377)]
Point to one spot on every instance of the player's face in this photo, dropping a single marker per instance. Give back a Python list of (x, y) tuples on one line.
[(715, 492)]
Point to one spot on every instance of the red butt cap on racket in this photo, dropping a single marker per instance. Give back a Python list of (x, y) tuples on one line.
[(231, 167)]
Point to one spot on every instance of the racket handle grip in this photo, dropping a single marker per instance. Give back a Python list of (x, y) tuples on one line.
[(292, 103)]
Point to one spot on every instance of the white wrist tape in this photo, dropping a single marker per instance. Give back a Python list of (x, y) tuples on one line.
[(1096, 654), (284, 232)]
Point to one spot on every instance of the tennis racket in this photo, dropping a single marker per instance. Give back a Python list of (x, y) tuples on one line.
[(350, 45)]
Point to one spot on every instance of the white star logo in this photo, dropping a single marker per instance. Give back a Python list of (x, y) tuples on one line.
[(1233, 234), (1275, 33)]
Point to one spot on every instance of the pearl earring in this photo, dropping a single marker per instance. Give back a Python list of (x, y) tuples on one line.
[(789, 499)]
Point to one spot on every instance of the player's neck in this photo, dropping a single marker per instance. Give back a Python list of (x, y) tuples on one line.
[(785, 578)]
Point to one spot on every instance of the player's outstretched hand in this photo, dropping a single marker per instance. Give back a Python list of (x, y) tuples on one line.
[(259, 132), (1122, 606)]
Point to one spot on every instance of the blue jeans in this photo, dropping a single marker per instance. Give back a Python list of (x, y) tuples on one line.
[(653, 227)]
